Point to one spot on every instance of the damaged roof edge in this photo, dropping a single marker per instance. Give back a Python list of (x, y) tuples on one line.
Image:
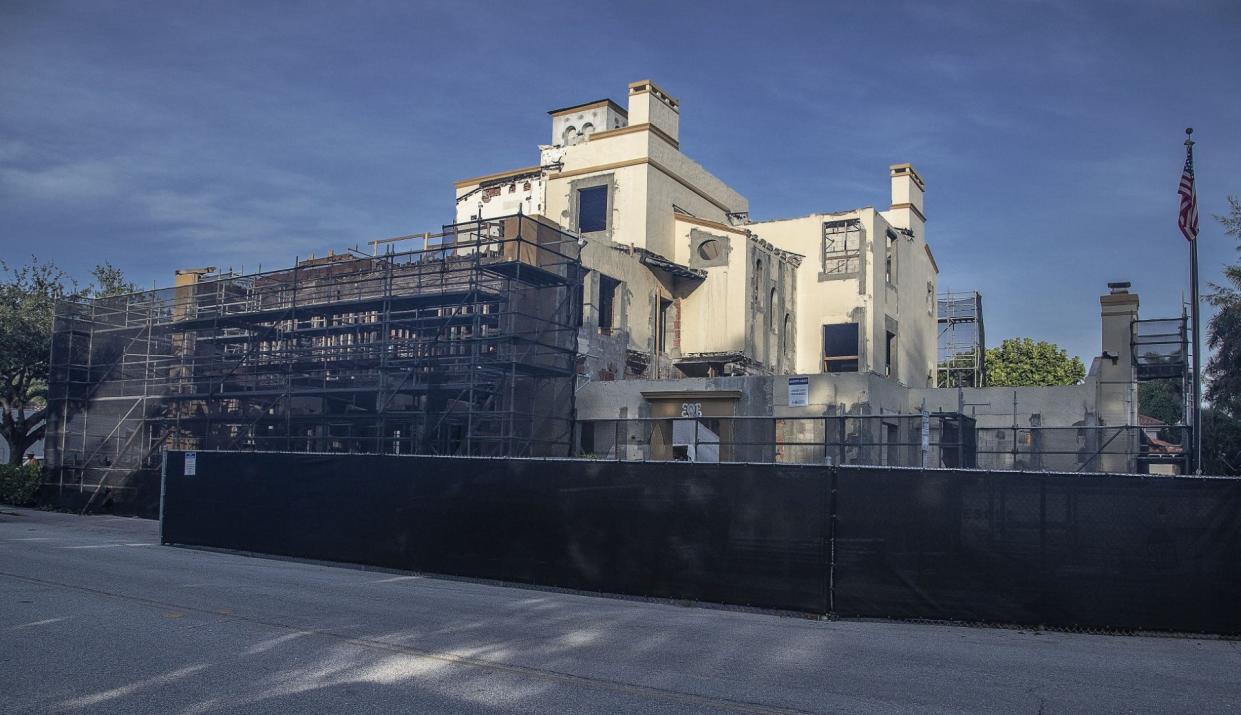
[(816, 214), (499, 176), (654, 260)]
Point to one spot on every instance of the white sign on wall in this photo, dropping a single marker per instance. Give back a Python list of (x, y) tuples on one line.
[(191, 463), (799, 391)]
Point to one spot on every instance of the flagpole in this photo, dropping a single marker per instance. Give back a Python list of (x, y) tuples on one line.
[(1193, 279)]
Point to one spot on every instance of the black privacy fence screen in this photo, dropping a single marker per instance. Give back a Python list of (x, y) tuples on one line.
[(1060, 550)]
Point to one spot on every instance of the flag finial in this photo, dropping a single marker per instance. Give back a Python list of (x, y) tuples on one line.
[(1189, 136)]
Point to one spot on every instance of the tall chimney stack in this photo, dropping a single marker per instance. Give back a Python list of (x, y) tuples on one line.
[(1116, 402), (650, 104), (907, 192)]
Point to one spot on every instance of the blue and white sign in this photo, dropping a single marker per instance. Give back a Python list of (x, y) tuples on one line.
[(191, 463), (799, 391)]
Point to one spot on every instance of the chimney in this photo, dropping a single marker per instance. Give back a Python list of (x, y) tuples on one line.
[(1118, 310), (191, 276), (650, 104), (907, 190), (1116, 398)]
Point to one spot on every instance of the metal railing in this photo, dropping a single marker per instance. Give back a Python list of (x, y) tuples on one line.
[(936, 440), (1083, 448)]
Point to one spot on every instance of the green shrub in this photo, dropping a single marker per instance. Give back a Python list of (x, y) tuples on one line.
[(19, 484)]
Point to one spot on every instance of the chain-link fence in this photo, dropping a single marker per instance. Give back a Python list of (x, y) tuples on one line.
[(933, 440), (1084, 449)]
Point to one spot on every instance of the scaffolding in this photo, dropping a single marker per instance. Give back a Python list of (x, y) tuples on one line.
[(962, 342), (463, 345), (1160, 349)]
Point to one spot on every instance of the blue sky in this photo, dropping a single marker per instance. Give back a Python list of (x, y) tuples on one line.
[(166, 134)]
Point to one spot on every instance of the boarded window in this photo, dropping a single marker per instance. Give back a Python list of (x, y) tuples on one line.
[(842, 247), (592, 209), (840, 347)]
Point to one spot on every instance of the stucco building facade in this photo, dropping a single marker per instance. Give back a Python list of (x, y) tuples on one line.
[(682, 283), (693, 311)]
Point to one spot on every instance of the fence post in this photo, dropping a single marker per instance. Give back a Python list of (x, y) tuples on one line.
[(831, 538), (1042, 543)]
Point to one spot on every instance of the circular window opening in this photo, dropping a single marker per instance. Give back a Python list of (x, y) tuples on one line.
[(710, 249)]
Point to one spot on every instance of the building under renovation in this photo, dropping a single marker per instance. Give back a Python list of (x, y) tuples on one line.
[(463, 344), (614, 300)]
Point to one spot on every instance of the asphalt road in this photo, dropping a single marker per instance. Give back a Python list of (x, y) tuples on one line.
[(95, 616)]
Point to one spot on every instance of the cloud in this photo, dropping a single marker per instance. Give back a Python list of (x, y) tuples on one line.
[(70, 183), (215, 211)]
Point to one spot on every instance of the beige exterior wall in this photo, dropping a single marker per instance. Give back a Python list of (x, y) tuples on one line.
[(760, 303), (649, 183), (575, 124), (634, 309), (714, 313), (753, 304), (867, 297), (820, 302)]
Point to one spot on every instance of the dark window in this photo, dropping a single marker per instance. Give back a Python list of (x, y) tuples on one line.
[(890, 352), (592, 209), (892, 438), (579, 303), (840, 347), (607, 304), (889, 263), (587, 434), (664, 329)]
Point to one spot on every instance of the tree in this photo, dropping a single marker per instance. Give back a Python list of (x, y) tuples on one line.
[(28, 295), (1221, 443), (958, 370), (1221, 422), (1223, 370), (109, 281), (1023, 362), (1162, 399)]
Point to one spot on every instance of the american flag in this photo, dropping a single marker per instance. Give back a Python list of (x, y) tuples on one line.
[(1188, 219)]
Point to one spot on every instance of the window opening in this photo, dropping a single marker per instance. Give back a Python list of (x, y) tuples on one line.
[(592, 209), (842, 247), (840, 347)]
